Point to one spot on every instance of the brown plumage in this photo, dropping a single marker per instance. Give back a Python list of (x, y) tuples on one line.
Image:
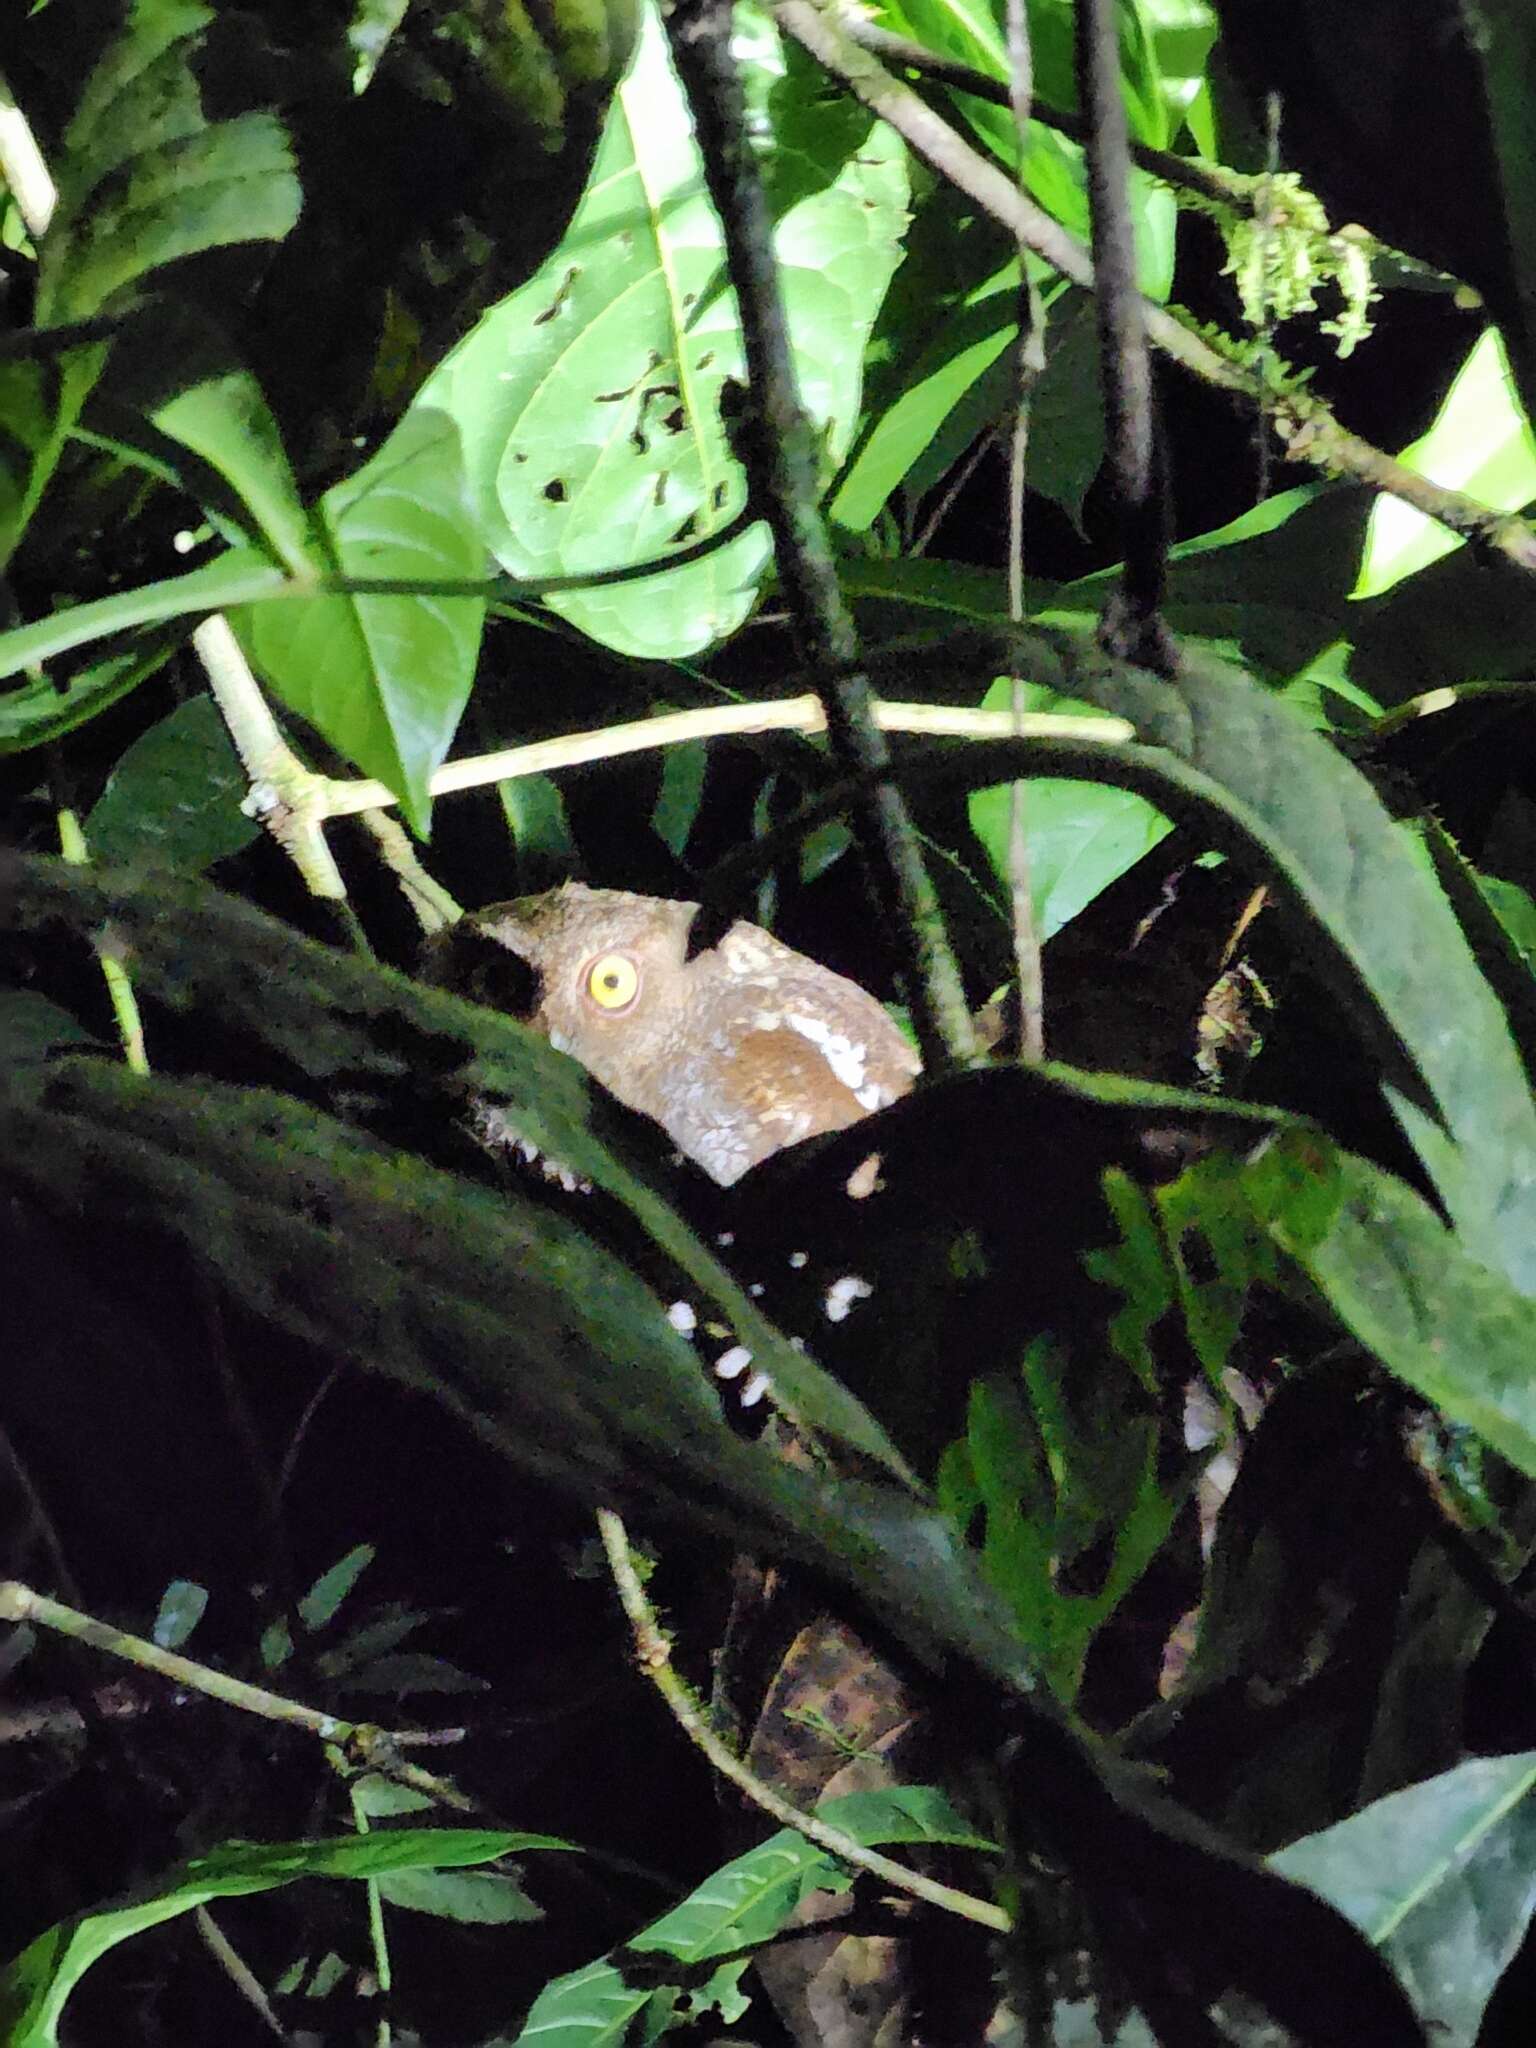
[(742, 1049)]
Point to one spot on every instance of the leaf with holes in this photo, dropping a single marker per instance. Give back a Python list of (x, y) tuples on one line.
[(589, 401)]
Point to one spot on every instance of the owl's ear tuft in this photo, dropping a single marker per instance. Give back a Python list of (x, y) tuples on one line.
[(475, 964), (708, 926)]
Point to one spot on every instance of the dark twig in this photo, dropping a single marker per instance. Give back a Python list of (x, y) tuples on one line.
[(778, 447), (1189, 174), (1132, 626)]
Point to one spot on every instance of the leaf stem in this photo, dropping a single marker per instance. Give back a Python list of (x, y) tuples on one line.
[(654, 1651)]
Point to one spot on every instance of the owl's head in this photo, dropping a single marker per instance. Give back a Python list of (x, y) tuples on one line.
[(737, 1049)]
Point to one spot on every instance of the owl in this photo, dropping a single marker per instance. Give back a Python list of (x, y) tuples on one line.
[(736, 1049)]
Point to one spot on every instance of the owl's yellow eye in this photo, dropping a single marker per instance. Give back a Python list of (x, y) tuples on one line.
[(613, 981)]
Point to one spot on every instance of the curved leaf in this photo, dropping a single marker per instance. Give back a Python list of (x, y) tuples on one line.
[(36, 1986), (386, 679)]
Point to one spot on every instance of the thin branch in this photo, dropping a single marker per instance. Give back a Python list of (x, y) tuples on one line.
[(1304, 426), (1132, 628), (779, 450), (1190, 174), (435, 909), (1029, 968), (362, 1742), (654, 1652), (805, 714)]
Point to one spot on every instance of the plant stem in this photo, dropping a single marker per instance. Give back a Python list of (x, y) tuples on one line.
[(779, 449), (654, 1652)]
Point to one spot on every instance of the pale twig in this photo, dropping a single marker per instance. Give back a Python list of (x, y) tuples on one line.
[(717, 721), (654, 1652), (125, 1007)]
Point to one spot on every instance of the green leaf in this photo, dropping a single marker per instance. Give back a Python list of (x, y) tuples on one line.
[(175, 795), (1066, 418), (123, 216), (30, 441), (36, 1986), (239, 577), (182, 1606), (743, 1905), (31, 1028), (541, 832), (1504, 46), (481, 1898), (1439, 1877), (1445, 1325), (973, 32), (1082, 836), (386, 679), (1480, 443), (40, 709), (224, 418), (947, 365), (676, 809), (323, 1600), (589, 400)]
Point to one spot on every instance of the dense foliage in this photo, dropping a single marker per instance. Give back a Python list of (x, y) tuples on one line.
[(372, 392)]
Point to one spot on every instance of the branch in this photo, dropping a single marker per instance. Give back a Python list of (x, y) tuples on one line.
[(654, 1653), (1305, 427), (1132, 627), (717, 721), (779, 450)]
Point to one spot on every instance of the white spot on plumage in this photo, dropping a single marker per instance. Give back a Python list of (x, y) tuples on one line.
[(846, 1058), (842, 1295)]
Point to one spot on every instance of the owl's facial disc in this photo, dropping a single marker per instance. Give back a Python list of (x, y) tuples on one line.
[(611, 983)]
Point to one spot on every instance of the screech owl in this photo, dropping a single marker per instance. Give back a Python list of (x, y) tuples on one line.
[(737, 1050)]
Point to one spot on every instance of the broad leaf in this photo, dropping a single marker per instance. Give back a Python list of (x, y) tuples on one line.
[(1081, 836), (174, 796), (741, 1906), (386, 679), (1480, 443), (1445, 1325), (589, 401), (36, 1986), (1442, 1877)]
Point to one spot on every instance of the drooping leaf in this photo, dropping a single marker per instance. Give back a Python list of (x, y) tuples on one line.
[(36, 1986), (147, 180), (386, 678)]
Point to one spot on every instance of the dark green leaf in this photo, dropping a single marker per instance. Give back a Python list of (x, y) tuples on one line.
[(175, 795), (479, 1898), (323, 1600)]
